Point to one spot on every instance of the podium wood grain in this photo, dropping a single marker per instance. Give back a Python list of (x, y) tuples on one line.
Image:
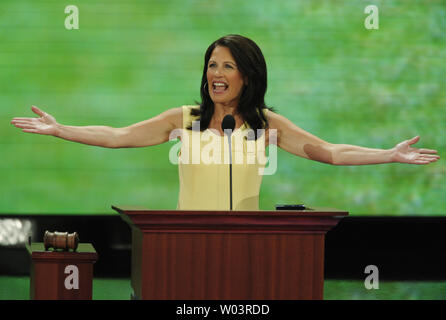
[(228, 255)]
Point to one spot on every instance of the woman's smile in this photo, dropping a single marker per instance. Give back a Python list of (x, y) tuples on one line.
[(219, 87)]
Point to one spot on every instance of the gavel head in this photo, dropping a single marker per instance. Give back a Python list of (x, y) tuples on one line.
[(60, 240)]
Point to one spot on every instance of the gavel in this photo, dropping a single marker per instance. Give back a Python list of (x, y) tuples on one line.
[(60, 240)]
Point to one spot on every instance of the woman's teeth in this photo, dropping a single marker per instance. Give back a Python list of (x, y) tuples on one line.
[(219, 87)]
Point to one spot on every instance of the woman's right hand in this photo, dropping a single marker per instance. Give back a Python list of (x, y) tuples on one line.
[(46, 124)]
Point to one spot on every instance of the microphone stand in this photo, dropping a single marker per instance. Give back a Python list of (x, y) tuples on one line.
[(230, 172), (227, 125)]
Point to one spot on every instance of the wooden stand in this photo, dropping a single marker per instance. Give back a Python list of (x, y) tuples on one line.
[(238, 255), (61, 275)]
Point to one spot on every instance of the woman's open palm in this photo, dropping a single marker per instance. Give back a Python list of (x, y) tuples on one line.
[(404, 153), (46, 124)]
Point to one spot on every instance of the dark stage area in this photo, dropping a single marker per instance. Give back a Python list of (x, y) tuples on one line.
[(403, 248)]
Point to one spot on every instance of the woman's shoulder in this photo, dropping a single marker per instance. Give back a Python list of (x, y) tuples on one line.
[(271, 115), (188, 116), (188, 108), (266, 110), (275, 120)]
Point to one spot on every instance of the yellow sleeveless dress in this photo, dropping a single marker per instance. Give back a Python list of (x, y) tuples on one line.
[(203, 165)]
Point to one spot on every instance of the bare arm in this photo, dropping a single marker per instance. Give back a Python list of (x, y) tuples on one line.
[(146, 133), (297, 141), (150, 132), (101, 136), (346, 154)]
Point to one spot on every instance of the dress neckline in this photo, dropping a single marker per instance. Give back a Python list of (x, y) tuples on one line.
[(221, 136)]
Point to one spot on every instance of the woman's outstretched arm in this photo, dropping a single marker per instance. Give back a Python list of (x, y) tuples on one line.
[(293, 139), (145, 133), (403, 152)]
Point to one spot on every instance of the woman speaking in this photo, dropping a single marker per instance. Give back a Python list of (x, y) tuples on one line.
[(234, 83)]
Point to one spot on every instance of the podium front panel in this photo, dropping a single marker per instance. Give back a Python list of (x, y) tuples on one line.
[(225, 255)]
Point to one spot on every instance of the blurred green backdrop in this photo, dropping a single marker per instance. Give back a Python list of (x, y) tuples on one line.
[(131, 60)]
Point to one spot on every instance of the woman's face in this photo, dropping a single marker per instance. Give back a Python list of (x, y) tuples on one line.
[(225, 82)]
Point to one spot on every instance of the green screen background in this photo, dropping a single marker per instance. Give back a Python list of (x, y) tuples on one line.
[(131, 60)]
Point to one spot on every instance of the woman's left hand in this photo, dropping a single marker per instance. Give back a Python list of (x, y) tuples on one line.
[(404, 153)]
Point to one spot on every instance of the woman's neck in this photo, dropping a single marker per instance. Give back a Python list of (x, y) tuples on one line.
[(221, 110)]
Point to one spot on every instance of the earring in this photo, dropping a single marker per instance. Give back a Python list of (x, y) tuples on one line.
[(204, 86)]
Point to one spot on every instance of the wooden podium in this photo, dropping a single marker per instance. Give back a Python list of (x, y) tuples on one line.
[(61, 275), (228, 255)]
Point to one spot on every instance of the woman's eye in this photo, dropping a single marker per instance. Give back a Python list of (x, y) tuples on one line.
[(213, 65)]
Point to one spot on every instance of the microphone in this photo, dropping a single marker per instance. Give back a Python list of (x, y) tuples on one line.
[(228, 125)]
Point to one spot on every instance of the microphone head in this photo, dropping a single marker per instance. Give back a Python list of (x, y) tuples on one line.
[(228, 123)]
